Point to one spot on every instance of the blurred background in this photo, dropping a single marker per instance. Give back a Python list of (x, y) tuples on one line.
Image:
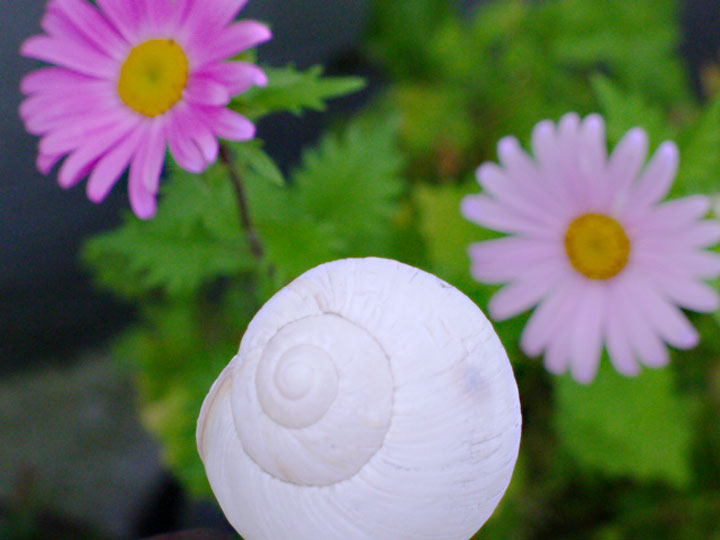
[(76, 458)]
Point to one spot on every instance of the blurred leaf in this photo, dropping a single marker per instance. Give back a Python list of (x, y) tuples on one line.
[(400, 31), (254, 157), (194, 238), (638, 428), (341, 201), (700, 154), (294, 91), (623, 112), (178, 351)]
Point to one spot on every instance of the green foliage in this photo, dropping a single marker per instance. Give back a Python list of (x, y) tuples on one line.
[(623, 112), (513, 64), (631, 427), (340, 203), (194, 238), (252, 156), (294, 91), (177, 352), (700, 153)]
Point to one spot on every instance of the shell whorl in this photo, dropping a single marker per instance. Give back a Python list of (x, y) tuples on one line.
[(368, 399), (319, 378)]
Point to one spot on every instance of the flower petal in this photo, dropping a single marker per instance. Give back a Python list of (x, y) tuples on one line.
[(506, 259), (624, 165), (92, 25), (234, 39), (70, 55), (587, 345), (111, 166), (204, 91), (237, 77), (524, 293), (656, 179), (228, 124), (552, 314)]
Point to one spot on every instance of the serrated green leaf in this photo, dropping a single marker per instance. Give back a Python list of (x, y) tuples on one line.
[(195, 237), (638, 428), (253, 156), (294, 91)]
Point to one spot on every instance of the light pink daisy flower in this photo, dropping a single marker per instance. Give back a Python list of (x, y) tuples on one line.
[(133, 77), (592, 245)]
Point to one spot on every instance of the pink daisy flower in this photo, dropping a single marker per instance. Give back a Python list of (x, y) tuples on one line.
[(593, 247), (132, 78)]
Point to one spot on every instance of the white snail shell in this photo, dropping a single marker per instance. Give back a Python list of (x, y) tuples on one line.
[(369, 400)]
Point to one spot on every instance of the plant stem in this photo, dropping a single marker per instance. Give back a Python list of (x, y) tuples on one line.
[(256, 247)]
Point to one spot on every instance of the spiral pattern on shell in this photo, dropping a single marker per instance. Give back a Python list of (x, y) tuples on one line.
[(369, 399)]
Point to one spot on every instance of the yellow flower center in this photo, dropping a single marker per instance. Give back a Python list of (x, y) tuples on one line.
[(597, 246), (153, 77)]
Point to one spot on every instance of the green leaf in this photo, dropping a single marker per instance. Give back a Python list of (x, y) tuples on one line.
[(638, 428), (176, 354), (340, 203), (700, 153), (623, 111), (194, 238), (254, 157), (294, 91)]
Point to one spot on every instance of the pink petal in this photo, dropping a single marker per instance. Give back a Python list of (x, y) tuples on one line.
[(151, 156), (624, 165), (46, 162), (618, 345), (46, 112), (198, 21), (665, 318), (552, 314), (699, 235), (550, 156), (656, 179), (162, 16), (506, 259), (644, 341), (528, 200), (81, 131), (234, 39), (557, 356), (524, 293), (79, 163), (228, 124), (586, 345), (50, 77), (126, 17), (204, 91), (681, 262), (92, 25), (592, 157), (237, 77), (111, 166), (183, 148), (671, 215), (142, 201), (70, 55), (498, 216), (685, 292)]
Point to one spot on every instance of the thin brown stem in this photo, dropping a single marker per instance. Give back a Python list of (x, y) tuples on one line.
[(256, 247)]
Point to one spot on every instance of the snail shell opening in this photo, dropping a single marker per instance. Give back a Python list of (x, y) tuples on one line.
[(369, 399)]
